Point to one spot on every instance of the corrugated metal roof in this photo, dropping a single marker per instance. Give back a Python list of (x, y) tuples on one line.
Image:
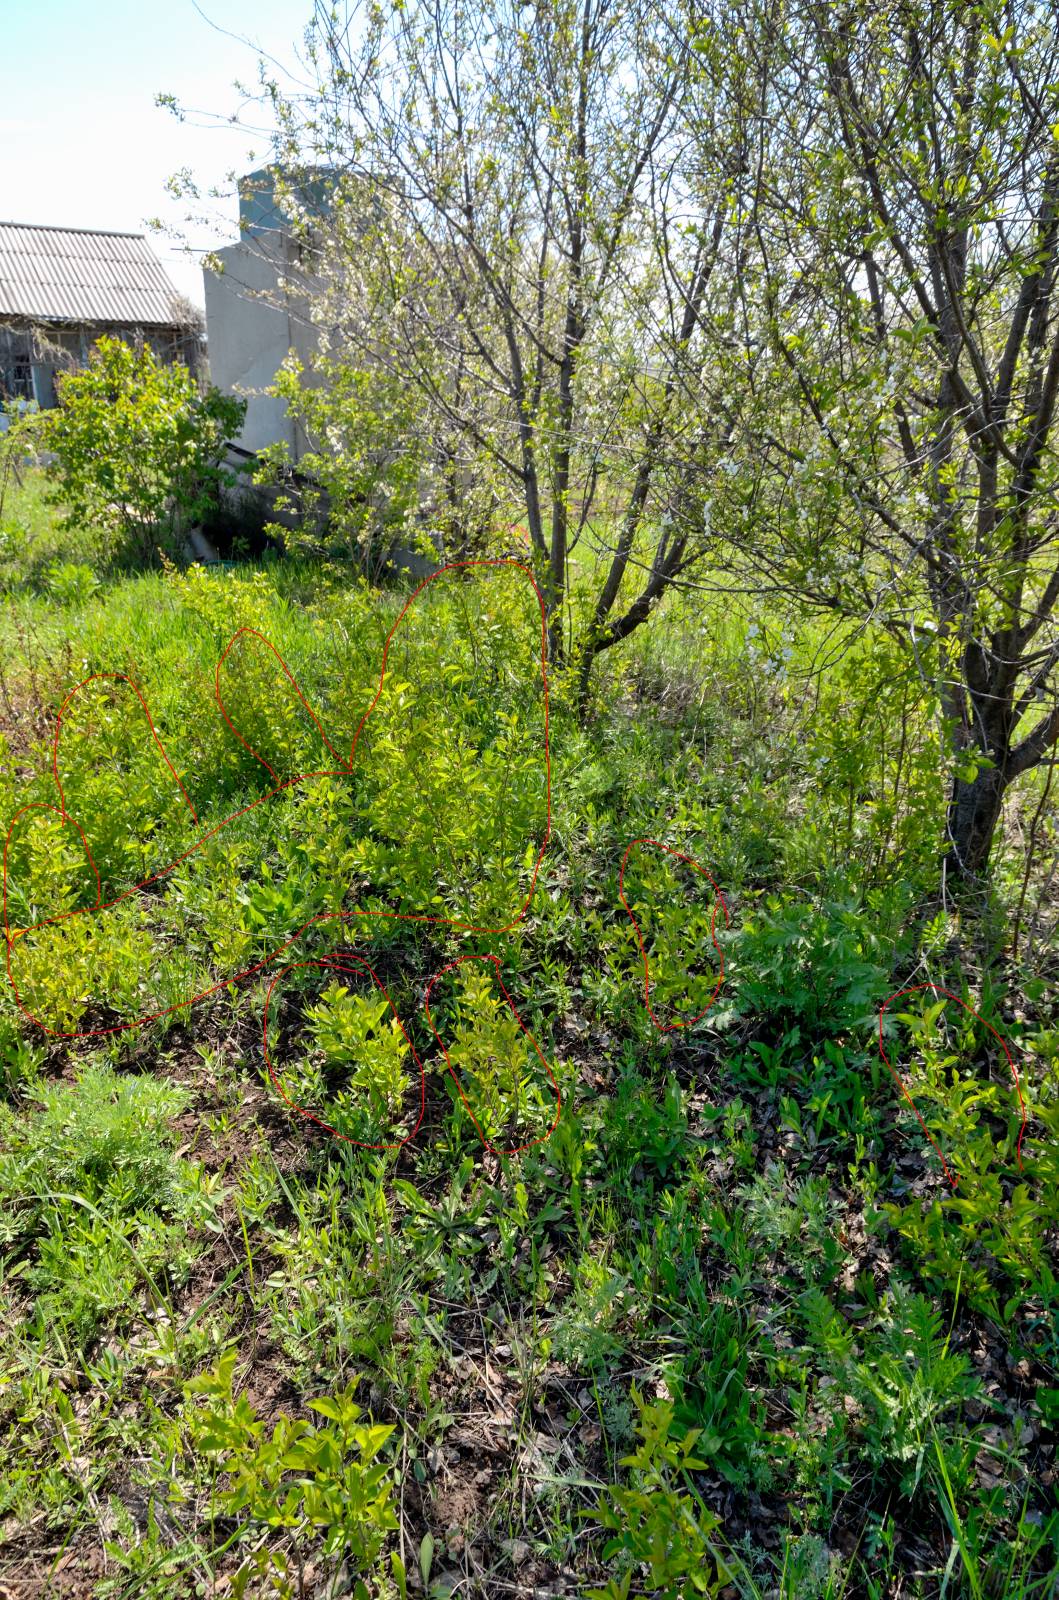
[(78, 275)]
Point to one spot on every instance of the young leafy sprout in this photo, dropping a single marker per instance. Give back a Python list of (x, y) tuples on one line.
[(503, 1080), (363, 1054), (344, 1062)]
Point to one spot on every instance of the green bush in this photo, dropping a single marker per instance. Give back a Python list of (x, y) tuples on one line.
[(137, 447), (497, 1070), (364, 486), (364, 1055), (376, 469), (659, 1522), (71, 583)]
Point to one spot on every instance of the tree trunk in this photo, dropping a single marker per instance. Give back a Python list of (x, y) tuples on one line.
[(974, 810), (584, 677)]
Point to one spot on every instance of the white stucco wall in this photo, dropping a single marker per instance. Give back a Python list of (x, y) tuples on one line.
[(251, 325)]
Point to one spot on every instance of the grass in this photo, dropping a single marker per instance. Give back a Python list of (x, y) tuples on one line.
[(725, 1331)]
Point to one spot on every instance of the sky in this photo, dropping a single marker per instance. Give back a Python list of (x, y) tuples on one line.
[(82, 143)]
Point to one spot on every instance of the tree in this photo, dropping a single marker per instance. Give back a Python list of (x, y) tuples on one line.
[(539, 265), (905, 410)]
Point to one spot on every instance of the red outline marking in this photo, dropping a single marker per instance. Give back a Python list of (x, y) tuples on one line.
[(671, 1027), (336, 961), (119, 677), (343, 771), (937, 989), (558, 1095), (294, 684)]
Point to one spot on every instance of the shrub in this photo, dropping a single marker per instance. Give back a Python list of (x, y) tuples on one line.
[(137, 447), (376, 470), (362, 1043), (326, 1481), (495, 1068), (362, 488)]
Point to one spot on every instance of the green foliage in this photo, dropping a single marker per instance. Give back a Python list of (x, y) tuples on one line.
[(694, 1191), (817, 968), (498, 1072), (988, 1239), (366, 461), (48, 872), (452, 755), (50, 965), (363, 1065), (584, 1333), (20, 1058), (71, 583), (798, 1231), (87, 1184), (302, 1477), (19, 442), (906, 1385), (659, 1521), (104, 1137), (646, 1135), (137, 447), (675, 911)]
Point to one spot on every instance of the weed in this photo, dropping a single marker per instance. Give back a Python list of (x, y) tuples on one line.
[(329, 1477)]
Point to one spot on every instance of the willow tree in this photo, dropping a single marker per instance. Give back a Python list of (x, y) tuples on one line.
[(908, 163)]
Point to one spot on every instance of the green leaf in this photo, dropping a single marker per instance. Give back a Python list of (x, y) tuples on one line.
[(426, 1557), (1048, 1404)]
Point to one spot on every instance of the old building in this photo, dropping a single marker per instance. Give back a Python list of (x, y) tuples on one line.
[(256, 307), (61, 288)]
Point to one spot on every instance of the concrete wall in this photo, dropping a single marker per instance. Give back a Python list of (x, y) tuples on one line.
[(252, 324)]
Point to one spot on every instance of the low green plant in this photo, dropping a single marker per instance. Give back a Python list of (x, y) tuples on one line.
[(645, 1133), (364, 1050), (105, 1136), (907, 1387), (94, 1205), (819, 968), (658, 1521), (71, 583), (497, 1070), (330, 1480), (675, 915), (20, 1059), (584, 1333), (797, 1229), (989, 1236), (107, 954)]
